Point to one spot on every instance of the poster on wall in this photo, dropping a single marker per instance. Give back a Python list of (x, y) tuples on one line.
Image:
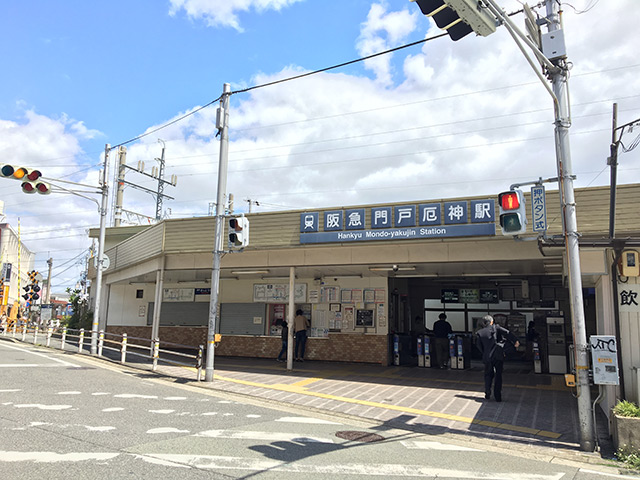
[(380, 315), (347, 317), (278, 293), (369, 296), (364, 318), (178, 294), (329, 294)]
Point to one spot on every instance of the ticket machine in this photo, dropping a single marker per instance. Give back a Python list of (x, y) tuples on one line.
[(556, 345)]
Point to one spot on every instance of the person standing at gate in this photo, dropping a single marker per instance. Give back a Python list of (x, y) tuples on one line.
[(285, 340), (441, 331), (300, 325), (491, 341)]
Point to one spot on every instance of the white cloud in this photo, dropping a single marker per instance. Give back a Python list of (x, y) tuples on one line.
[(382, 31), (224, 13)]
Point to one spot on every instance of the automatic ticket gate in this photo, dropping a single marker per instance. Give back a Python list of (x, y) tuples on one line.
[(423, 349), (459, 352)]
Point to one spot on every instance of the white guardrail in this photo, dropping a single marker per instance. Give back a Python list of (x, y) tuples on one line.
[(71, 340)]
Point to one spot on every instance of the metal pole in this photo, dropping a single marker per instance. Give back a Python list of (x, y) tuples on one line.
[(217, 247), (559, 80), (122, 161), (613, 163), (103, 222), (160, 183), (290, 317)]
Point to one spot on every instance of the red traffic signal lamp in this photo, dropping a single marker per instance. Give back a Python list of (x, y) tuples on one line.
[(513, 214), (30, 178)]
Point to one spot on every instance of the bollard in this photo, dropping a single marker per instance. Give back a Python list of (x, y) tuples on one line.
[(64, 337), (35, 335), (15, 326), (100, 343), (49, 333), (156, 353), (123, 349), (24, 332), (199, 363), (81, 340)]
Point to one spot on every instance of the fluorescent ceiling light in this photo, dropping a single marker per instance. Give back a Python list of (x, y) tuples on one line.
[(248, 272), (343, 276), (281, 277), (392, 269)]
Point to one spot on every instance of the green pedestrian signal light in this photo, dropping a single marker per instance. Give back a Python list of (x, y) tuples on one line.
[(513, 215)]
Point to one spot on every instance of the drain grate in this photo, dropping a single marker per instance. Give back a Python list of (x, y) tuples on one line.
[(355, 436)]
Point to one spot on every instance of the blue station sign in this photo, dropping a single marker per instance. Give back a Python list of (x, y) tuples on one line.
[(406, 222)]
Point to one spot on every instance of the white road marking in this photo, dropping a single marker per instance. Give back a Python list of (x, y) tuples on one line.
[(166, 430), (612, 475), (134, 395), (253, 416), (209, 413), (52, 457), (20, 365), (306, 420), (100, 393), (224, 401), (422, 445), (10, 390), (367, 469), (113, 409), (270, 436), (73, 392), (162, 411), (99, 429), (157, 461), (44, 407), (175, 398), (38, 354)]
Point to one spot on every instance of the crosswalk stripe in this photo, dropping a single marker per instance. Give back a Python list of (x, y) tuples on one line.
[(422, 445), (270, 436)]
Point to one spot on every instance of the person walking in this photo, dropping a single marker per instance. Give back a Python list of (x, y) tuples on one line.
[(300, 325), (285, 340), (491, 342), (441, 331)]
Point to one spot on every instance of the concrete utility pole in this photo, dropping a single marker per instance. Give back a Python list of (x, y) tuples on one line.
[(100, 262), (48, 297), (559, 81), (222, 123), (122, 163)]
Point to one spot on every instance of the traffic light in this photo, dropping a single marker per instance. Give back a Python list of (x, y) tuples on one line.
[(513, 214), (30, 178), (459, 17), (238, 232), (32, 289)]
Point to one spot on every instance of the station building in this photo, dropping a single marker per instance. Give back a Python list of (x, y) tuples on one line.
[(371, 278)]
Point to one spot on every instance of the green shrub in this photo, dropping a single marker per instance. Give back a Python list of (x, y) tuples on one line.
[(629, 456), (626, 409)]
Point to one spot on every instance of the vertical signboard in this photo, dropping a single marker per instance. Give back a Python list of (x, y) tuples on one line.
[(604, 356), (538, 209)]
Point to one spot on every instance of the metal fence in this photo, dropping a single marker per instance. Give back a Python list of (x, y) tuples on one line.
[(113, 346)]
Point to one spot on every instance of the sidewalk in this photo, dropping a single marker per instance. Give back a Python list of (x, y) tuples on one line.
[(538, 412)]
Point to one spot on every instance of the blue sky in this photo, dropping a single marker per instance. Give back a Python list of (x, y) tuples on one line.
[(438, 120)]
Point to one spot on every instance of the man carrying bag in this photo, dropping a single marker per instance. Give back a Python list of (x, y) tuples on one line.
[(491, 342)]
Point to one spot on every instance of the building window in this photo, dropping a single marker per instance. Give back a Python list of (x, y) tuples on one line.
[(139, 293)]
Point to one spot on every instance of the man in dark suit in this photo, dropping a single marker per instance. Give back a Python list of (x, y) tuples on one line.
[(491, 341)]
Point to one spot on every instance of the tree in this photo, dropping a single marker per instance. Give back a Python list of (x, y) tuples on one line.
[(81, 317)]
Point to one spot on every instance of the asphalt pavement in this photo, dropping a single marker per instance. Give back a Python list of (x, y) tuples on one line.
[(538, 414)]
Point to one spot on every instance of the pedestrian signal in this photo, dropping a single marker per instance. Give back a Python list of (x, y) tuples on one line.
[(513, 215), (238, 232)]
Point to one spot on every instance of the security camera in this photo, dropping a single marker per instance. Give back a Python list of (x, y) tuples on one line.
[(395, 268)]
